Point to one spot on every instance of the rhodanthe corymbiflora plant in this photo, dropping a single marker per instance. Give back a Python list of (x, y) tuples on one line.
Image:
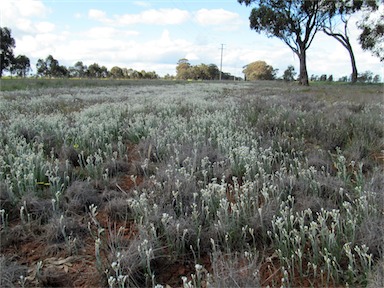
[(246, 184)]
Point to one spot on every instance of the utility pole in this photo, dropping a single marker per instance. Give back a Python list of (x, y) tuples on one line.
[(221, 61)]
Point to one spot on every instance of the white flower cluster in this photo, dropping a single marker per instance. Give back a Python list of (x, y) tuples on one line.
[(217, 163)]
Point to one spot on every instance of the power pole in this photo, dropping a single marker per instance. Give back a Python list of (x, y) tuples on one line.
[(221, 61)]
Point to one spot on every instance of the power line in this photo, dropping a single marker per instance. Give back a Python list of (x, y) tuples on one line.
[(221, 60)]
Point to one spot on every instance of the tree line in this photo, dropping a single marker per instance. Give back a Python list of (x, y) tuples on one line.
[(185, 71), (260, 70), (365, 77), (50, 67), (296, 22)]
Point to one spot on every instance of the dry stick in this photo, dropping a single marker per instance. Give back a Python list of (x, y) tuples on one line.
[(121, 189), (149, 151), (274, 273)]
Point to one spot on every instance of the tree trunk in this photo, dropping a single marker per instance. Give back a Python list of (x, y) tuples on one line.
[(303, 68), (353, 62), (344, 40)]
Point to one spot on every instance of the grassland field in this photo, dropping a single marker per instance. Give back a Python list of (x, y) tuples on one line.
[(122, 183)]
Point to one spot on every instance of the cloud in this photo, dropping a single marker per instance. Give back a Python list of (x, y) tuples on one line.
[(207, 17), (97, 14), (27, 44), (40, 45), (107, 46), (109, 50), (108, 32), (192, 56), (25, 8), (44, 27), (164, 16), (18, 14), (161, 49), (142, 3)]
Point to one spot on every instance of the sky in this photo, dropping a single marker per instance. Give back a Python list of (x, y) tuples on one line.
[(154, 35)]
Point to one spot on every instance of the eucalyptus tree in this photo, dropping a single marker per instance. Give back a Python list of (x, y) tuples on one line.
[(213, 72), (289, 73), (295, 22), (183, 69), (7, 43), (21, 66), (116, 72), (50, 67), (79, 70), (339, 12), (96, 71), (259, 70)]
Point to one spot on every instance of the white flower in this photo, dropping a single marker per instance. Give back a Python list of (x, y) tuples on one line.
[(198, 267), (115, 266)]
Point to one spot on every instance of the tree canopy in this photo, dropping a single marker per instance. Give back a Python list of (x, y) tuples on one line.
[(259, 70), (372, 37), (185, 71), (21, 66), (372, 25), (96, 71), (116, 72), (50, 67), (289, 73), (7, 43), (79, 70)]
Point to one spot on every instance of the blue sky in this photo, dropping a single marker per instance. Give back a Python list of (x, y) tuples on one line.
[(154, 35)]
